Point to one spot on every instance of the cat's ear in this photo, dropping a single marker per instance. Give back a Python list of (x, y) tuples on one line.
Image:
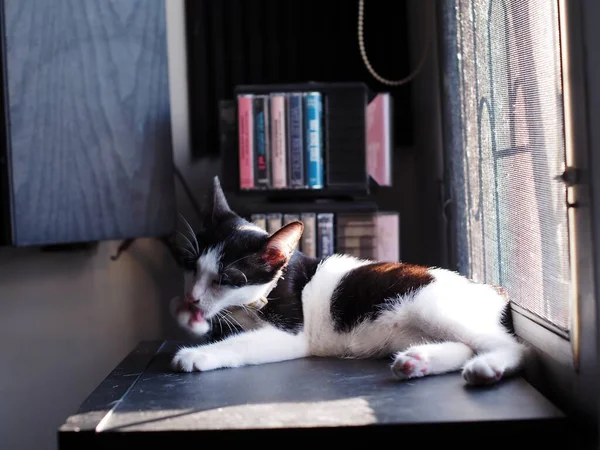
[(216, 207), (281, 245)]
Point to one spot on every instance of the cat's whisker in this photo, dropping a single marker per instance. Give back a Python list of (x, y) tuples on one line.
[(230, 316), (225, 316), (229, 323), (188, 241), (221, 319), (188, 251), (220, 324), (250, 311), (189, 227)]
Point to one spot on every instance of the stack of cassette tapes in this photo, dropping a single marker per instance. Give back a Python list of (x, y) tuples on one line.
[(280, 139)]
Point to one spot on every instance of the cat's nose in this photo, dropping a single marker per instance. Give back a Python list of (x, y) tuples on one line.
[(189, 298)]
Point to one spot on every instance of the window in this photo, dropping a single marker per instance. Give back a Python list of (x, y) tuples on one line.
[(518, 114), (509, 153)]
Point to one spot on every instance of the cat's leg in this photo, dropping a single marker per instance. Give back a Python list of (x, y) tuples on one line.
[(497, 357), (453, 309), (431, 359), (265, 345)]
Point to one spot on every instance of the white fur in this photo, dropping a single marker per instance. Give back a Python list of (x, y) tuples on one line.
[(431, 359), (252, 227), (261, 346), (183, 316), (450, 324)]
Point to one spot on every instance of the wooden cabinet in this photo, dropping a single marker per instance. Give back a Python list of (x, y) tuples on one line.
[(87, 144)]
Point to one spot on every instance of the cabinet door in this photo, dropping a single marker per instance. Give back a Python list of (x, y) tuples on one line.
[(87, 118)]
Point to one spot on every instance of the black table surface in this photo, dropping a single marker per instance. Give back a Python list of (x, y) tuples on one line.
[(143, 402)]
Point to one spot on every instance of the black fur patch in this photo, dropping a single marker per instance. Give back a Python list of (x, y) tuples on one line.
[(284, 309), (364, 290)]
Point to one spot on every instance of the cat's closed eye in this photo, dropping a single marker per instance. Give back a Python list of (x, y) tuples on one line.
[(232, 279), (222, 281)]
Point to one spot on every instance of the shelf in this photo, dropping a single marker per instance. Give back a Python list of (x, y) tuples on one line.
[(303, 194), (143, 402), (285, 207)]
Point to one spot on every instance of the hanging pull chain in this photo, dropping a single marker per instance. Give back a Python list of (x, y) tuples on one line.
[(363, 52)]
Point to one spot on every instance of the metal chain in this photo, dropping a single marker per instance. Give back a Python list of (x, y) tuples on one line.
[(363, 52)]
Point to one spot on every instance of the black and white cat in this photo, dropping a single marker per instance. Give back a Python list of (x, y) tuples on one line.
[(431, 320)]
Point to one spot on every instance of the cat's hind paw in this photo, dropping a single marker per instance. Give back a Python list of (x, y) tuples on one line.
[(194, 360), (482, 370), (410, 364)]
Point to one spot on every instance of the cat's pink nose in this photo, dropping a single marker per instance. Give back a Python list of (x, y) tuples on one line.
[(190, 299)]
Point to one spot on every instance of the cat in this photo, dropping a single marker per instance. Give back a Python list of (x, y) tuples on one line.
[(287, 305)]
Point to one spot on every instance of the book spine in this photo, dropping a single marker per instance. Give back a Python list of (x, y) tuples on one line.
[(326, 234), (388, 237), (278, 141), (314, 140), (308, 241), (379, 143), (289, 218), (261, 141), (274, 222), (246, 141), (355, 235), (260, 220), (296, 140)]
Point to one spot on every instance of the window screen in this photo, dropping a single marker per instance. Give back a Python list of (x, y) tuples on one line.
[(505, 149)]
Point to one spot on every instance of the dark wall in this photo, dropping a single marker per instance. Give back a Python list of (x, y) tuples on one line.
[(233, 42)]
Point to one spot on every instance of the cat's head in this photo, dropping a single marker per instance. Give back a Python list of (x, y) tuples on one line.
[(228, 262)]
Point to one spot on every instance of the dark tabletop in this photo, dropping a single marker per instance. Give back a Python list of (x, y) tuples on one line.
[(144, 396)]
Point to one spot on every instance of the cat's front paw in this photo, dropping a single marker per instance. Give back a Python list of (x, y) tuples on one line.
[(195, 359), (410, 364), (483, 370)]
